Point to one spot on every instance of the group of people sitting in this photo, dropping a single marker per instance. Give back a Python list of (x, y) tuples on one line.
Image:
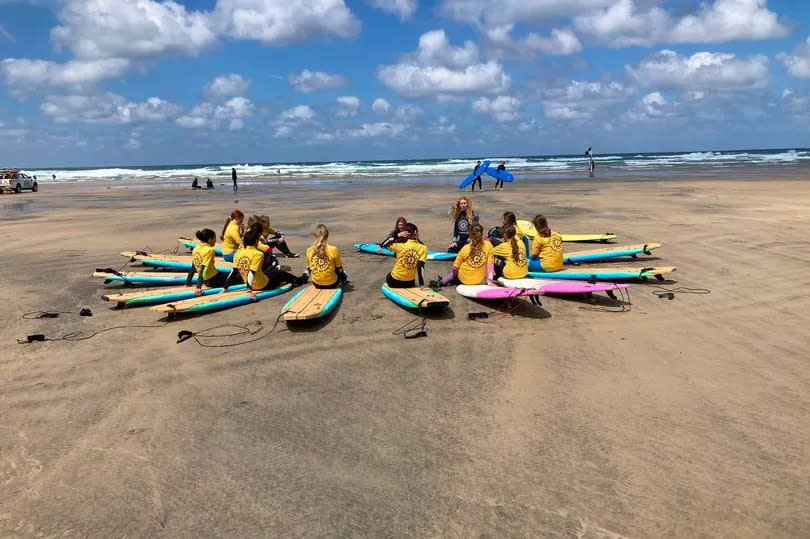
[(195, 184), (479, 259)]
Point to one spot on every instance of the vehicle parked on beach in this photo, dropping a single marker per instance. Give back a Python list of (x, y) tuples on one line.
[(11, 179)]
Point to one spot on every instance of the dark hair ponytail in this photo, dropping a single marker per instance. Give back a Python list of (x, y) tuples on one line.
[(235, 214), (251, 237), (509, 235), (509, 218), (205, 235), (541, 225)]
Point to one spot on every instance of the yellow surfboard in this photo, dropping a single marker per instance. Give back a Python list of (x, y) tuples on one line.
[(528, 228)]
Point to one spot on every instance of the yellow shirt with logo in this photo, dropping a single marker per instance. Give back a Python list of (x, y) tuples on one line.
[(249, 259), (203, 255), (232, 238), (513, 270), (550, 251), (519, 232), (409, 254), (473, 269), (323, 268)]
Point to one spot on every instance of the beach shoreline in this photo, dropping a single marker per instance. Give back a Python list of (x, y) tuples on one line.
[(665, 417)]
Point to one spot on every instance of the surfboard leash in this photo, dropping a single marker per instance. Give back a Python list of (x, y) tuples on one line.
[(414, 332), (74, 335)]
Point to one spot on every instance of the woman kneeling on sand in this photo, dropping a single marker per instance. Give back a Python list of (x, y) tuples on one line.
[(323, 261), (249, 263), (510, 256), (547, 245), (411, 258), (474, 262)]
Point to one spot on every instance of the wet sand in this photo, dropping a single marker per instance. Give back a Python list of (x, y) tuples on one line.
[(585, 417)]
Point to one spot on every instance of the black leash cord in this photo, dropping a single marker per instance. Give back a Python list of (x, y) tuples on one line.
[(414, 332), (669, 293)]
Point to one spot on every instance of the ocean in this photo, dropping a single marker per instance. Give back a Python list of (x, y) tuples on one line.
[(548, 167)]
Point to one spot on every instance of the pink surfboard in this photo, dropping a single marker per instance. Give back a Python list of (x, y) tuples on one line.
[(483, 291), (552, 286)]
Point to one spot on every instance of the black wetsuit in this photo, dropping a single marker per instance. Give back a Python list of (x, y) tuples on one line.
[(499, 182), (461, 231)]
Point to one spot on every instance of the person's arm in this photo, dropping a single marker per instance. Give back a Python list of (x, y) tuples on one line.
[(190, 276), (475, 217), (420, 268), (535, 252), (341, 275), (449, 277), (231, 278)]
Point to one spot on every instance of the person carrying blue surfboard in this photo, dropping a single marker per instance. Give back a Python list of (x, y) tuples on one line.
[(411, 258), (478, 177), (463, 217), (499, 181)]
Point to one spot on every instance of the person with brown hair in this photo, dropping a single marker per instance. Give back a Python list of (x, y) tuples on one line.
[(397, 234), (547, 245), (231, 235), (510, 256), (474, 262), (411, 258), (463, 217)]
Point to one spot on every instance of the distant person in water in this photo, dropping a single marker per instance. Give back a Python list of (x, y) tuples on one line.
[(233, 177), (209, 184), (498, 181), (477, 178), (53, 176), (278, 171), (591, 163), (196, 183)]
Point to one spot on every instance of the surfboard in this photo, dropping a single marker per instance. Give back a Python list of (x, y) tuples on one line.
[(528, 228), (164, 295), (191, 244), (599, 254), (181, 262), (372, 248), (214, 302), (420, 298), (480, 169), (500, 174), (553, 286), (604, 274), (483, 291), (143, 277), (311, 303)]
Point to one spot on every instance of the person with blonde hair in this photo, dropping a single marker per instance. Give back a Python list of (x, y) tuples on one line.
[(463, 217), (474, 262), (324, 266), (271, 237)]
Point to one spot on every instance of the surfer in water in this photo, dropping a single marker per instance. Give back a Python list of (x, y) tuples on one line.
[(202, 261), (474, 262), (233, 177), (397, 234), (547, 245), (323, 261), (411, 258), (250, 263), (499, 182), (463, 216), (510, 256), (477, 178), (591, 163)]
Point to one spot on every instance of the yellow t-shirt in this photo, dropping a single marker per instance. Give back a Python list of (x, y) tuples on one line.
[(473, 269), (203, 255), (269, 231), (323, 269), (247, 259), (550, 251), (232, 238), (409, 254), (519, 232), (513, 270)]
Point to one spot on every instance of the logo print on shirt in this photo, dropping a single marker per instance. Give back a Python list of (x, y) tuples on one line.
[(409, 258), (556, 242), (196, 260), (322, 265), (243, 267), (463, 225), (476, 260)]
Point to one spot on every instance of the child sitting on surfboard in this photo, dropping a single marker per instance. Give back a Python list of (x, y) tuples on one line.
[(271, 237), (463, 217), (397, 233), (474, 262), (496, 233), (232, 234), (249, 263), (510, 256), (547, 245), (323, 261), (411, 258), (202, 260)]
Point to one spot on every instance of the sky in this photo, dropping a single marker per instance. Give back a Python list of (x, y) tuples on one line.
[(146, 82)]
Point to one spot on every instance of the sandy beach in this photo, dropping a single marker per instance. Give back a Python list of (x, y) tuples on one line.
[(585, 417)]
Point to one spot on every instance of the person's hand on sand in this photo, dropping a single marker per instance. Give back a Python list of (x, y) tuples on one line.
[(198, 292)]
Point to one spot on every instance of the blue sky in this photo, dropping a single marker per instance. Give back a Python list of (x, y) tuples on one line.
[(129, 82)]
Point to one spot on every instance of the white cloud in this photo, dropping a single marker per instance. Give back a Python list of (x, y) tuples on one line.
[(404, 9), (503, 108), (134, 140), (209, 116), (442, 127), (94, 29), (226, 86), (483, 12), (624, 24), (309, 81), (108, 108), (379, 129), (380, 106), (322, 137), (528, 125), (283, 131), (406, 113), (653, 106), (560, 42), (347, 106), (798, 63), (581, 100), (702, 70), (435, 50), (24, 76), (299, 113), (416, 80), (276, 22)]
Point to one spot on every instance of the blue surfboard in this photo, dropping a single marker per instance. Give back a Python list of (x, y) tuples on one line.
[(480, 169), (602, 274), (500, 174), (372, 248), (421, 299), (313, 298), (165, 295), (600, 254), (222, 300)]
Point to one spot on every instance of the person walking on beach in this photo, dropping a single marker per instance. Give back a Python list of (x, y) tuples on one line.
[(233, 177), (498, 181), (591, 164), (477, 178)]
